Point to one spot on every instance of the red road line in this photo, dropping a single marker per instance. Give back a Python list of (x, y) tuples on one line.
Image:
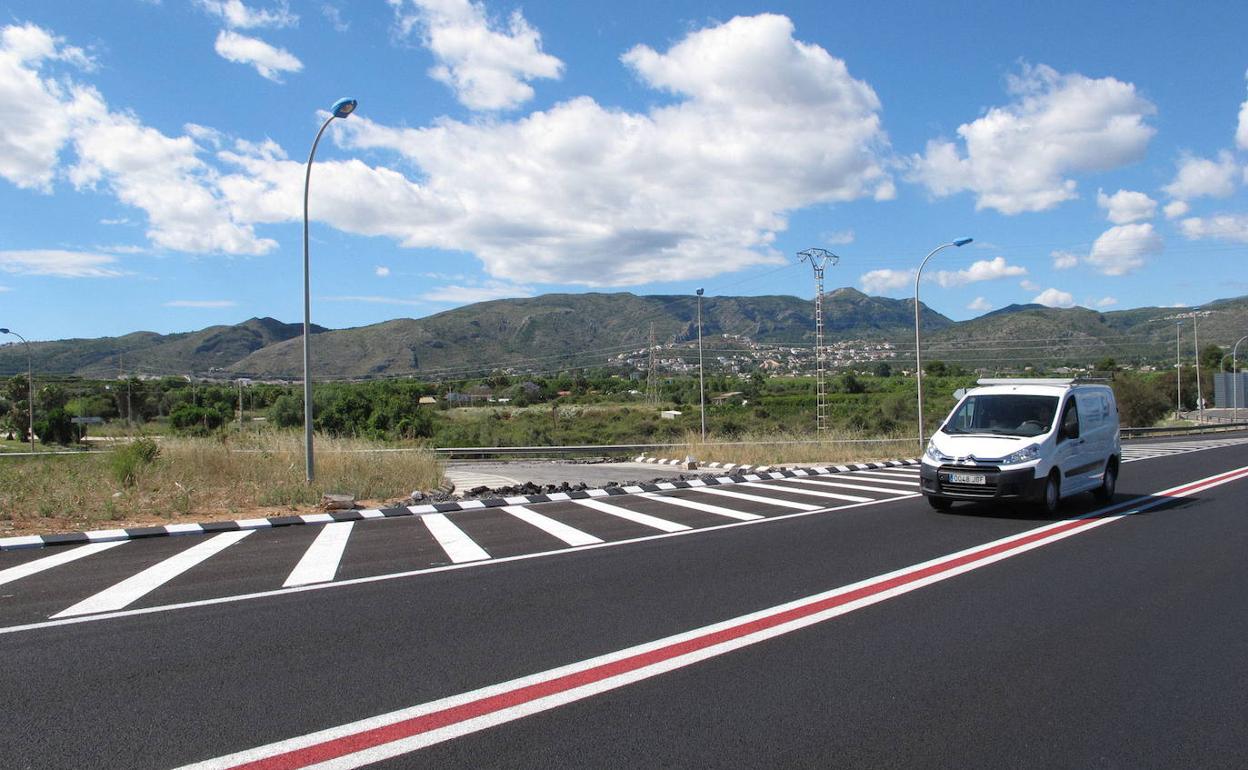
[(414, 726)]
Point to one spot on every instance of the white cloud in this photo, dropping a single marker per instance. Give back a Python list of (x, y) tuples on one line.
[(838, 237), (1176, 209), (201, 303), (982, 270), (885, 280), (1126, 206), (235, 14), (589, 195), (36, 124), (1054, 298), (462, 295), (5, 288), (61, 264), (1027, 285), (269, 61), (1223, 227), (1241, 131), (373, 300), (1106, 302), (1064, 260), (488, 67), (381, 271), (1122, 249), (333, 15), (980, 305), (1200, 177), (1018, 157)]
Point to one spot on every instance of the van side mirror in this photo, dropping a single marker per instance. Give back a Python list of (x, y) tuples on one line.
[(1070, 425)]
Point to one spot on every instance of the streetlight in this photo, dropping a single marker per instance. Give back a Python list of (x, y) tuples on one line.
[(918, 361), (1235, 376), (1178, 368), (30, 385), (1200, 395), (701, 385), (341, 109)]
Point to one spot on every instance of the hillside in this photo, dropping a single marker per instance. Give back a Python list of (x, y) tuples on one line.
[(556, 331)]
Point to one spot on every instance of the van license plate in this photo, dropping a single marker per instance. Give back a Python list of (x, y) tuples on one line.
[(968, 478)]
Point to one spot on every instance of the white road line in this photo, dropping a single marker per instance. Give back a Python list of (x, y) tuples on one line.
[(644, 519), (55, 560), (704, 507), (458, 546), (320, 561), (885, 478), (761, 499), (570, 535), (843, 485), (812, 493), (135, 587)]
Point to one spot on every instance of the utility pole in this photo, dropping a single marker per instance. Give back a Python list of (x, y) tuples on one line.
[(819, 260), (240, 402), (652, 383), (1178, 368), (701, 382), (1200, 399)]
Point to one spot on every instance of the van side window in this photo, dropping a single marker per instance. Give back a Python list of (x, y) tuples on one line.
[(1070, 419)]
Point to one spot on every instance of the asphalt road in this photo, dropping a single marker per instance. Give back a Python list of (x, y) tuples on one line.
[(1120, 645)]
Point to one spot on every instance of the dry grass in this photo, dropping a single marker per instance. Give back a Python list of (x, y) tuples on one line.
[(773, 449), (202, 479)]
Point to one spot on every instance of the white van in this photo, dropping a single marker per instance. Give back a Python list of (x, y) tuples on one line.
[(1025, 439)]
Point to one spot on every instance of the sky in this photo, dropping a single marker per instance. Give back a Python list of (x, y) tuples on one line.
[(152, 154)]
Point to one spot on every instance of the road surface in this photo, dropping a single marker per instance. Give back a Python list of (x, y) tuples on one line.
[(757, 624)]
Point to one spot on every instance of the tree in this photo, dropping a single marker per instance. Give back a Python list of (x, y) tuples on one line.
[(56, 426), (1106, 365), (882, 369), (1211, 357), (935, 369)]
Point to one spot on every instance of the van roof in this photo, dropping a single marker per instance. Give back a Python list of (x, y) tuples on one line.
[(1064, 382), (1035, 386)]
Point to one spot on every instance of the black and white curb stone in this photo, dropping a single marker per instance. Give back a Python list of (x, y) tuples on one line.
[(738, 475)]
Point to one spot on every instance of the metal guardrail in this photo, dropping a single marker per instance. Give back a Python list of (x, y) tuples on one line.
[(1183, 430)]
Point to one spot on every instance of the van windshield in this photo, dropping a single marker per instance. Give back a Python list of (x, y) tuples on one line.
[(1005, 414)]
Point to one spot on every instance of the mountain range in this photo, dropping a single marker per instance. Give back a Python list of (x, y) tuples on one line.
[(558, 331)]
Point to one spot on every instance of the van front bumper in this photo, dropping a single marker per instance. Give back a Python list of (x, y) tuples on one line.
[(1019, 484)]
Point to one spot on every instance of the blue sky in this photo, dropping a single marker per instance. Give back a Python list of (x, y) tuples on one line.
[(151, 157)]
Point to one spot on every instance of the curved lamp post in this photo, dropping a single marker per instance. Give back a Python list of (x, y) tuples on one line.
[(918, 361), (30, 385), (1235, 375), (341, 109)]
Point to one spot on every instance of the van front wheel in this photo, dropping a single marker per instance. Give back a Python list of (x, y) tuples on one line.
[(1051, 499), (940, 503), (1105, 492)]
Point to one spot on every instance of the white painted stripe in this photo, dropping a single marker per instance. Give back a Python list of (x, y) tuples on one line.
[(372, 513), (665, 485), (422, 509), (320, 561), (468, 505), (813, 493), (883, 478), (634, 490), (458, 546), (55, 560), (751, 477), (183, 529), (758, 498), (105, 535), (253, 523), (558, 496), (21, 541), (517, 500), (316, 518), (704, 507), (844, 485), (697, 483), (598, 493), (570, 535), (644, 519), (137, 586)]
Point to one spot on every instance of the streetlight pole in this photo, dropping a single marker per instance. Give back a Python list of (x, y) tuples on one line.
[(918, 359), (30, 386), (1235, 376), (701, 381), (341, 109), (1200, 397), (1178, 369)]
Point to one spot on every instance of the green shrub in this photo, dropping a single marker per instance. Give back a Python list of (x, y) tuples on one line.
[(128, 460)]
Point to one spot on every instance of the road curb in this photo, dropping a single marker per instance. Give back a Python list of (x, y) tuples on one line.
[(738, 475)]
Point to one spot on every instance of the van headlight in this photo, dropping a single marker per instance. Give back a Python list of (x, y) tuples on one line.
[(934, 454), (1024, 455)]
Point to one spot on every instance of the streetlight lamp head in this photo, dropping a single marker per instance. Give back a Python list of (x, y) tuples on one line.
[(4, 331), (700, 292), (962, 241), (344, 107)]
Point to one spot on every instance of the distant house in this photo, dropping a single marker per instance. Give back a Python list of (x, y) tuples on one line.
[(458, 399), (530, 388), (724, 398), (425, 400), (669, 414), (564, 393)]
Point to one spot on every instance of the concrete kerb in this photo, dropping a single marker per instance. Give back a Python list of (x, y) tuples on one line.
[(736, 475)]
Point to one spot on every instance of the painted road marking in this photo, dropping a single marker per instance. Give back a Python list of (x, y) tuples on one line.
[(756, 498), (400, 732), (843, 485), (570, 535), (320, 561), (704, 507), (137, 586), (458, 546), (885, 478), (636, 517), (55, 560), (812, 492)]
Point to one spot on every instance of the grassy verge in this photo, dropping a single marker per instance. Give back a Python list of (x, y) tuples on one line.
[(191, 479), (780, 449)]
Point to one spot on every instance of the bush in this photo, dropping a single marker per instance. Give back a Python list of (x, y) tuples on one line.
[(128, 460), (56, 427)]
